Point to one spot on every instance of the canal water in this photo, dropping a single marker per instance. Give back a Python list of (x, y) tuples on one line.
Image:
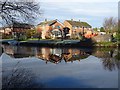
[(44, 67)]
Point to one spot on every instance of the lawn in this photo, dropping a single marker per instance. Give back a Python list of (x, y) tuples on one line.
[(106, 43)]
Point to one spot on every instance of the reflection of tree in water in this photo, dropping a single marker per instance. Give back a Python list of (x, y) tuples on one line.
[(117, 59), (110, 58), (19, 78), (109, 64)]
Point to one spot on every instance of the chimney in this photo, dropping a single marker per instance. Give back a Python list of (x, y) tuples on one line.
[(71, 19), (45, 20)]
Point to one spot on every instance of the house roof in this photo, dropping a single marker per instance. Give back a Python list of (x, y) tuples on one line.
[(78, 23), (22, 25), (1, 28), (48, 22), (18, 25), (77, 57), (51, 22)]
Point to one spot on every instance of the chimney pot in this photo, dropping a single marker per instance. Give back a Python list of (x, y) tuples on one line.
[(45, 20)]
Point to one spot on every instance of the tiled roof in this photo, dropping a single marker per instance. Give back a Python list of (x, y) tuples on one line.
[(78, 23), (18, 25), (77, 57), (22, 25), (48, 22)]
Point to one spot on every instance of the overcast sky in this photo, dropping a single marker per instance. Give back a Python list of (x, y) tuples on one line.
[(91, 11)]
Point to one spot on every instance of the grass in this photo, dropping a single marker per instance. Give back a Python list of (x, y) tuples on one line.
[(106, 43), (67, 41), (7, 39), (33, 39), (104, 49), (23, 41)]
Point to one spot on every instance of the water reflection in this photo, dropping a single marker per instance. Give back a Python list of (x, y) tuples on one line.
[(19, 77), (54, 55), (109, 56), (18, 52)]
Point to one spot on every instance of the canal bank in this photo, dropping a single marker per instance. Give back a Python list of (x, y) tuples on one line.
[(60, 43), (50, 43)]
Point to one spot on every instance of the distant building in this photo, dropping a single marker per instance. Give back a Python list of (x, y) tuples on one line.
[(50, 29), (102, 33), (5, 30), (77, 28), (103, 38), (19, 29), (16, 28)]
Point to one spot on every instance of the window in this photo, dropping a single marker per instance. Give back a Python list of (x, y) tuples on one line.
[(58, 27), (77, 27), (53, 26), (56, 33)]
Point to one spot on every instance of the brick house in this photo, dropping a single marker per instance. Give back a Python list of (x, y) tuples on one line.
[(16, 27), (19, 29), (16, 30), (50, 29), (5, 30), (78, 28)]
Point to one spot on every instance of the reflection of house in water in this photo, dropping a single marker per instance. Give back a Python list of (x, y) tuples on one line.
[(55, 58), (43, 53), (49, 54), (55, 55), (74, 54), (57, 51), (8, 49), (104, 53), (19, 52)]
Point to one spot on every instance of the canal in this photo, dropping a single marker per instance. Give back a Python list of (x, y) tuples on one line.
[(44, 67)]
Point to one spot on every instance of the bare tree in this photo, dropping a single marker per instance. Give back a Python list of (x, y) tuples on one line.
[(110, 25), (18, 11)]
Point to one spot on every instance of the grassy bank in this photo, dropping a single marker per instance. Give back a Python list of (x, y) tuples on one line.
[(106, 44), (64, 43)]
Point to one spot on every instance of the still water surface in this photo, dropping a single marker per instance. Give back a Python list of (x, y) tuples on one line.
[(61, 67)]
